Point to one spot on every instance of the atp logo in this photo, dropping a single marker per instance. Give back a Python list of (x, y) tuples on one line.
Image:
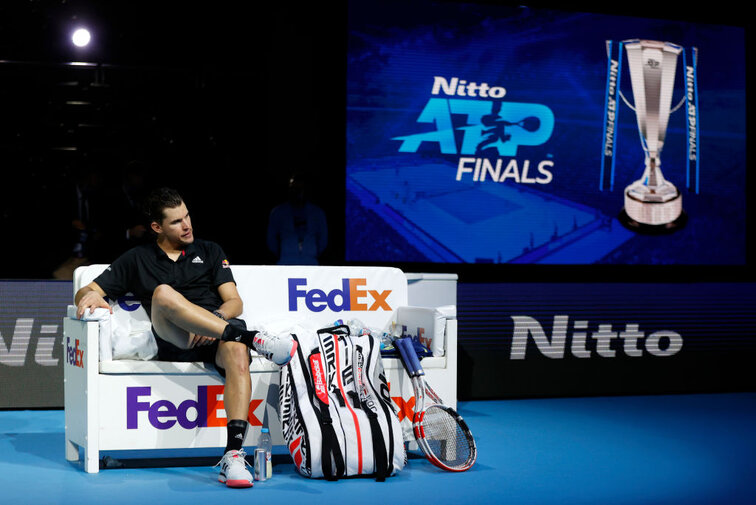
[(489, 128), (487, 134)]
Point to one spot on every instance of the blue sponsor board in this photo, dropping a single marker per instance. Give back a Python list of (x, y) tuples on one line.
[(478, 134), (515, 339), (32, 351), (522, 339)]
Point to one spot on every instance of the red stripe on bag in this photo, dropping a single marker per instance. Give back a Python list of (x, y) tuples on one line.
[(354, 414), (295, 452)]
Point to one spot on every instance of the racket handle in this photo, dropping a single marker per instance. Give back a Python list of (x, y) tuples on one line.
[(414, 359), (403, 355), (411, 356)]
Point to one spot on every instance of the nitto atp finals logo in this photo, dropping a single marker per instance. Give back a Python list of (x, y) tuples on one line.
[(492, 132)]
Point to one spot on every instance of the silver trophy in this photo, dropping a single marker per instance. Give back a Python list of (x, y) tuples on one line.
[(652, 202)]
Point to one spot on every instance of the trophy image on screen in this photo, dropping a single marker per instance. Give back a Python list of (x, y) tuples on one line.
[(652, 203)]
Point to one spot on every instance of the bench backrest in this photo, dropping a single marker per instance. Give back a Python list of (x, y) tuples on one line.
[(316, 294)]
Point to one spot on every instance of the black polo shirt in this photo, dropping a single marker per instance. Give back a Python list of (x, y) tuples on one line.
[(197, 273)]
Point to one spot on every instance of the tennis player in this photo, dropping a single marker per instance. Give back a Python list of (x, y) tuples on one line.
[(186, 287)]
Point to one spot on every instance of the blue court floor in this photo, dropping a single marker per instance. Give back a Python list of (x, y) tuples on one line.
[(680, 449)]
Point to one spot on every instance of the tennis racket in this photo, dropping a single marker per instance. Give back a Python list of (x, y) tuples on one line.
[(440, 431)]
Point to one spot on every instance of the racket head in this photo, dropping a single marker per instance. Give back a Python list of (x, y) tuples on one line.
[(445, 438), (440, 431)]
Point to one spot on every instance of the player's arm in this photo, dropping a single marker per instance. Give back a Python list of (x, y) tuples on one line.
[(90, 297), (232, 305)]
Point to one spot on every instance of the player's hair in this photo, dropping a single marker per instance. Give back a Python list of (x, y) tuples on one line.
[(158, 201)]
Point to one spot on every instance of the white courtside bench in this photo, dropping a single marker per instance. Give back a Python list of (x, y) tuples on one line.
[(113, 404)]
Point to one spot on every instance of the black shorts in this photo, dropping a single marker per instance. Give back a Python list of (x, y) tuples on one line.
[(204, 353)]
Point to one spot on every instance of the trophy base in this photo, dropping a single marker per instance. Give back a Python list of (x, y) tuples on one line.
[(652, 229), (653, 205)]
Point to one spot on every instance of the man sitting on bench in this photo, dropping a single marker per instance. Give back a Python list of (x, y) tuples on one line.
[(188, 290)]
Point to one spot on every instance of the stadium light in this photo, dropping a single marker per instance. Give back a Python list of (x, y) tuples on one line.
[(81, 37)]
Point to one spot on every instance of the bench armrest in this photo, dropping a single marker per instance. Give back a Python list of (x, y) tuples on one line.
[(428, 325), (101, 319)]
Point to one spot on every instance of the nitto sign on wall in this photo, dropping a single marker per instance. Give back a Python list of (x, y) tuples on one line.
[(32, 351)]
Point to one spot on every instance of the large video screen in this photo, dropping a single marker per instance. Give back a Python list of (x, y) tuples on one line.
[(481, 133)]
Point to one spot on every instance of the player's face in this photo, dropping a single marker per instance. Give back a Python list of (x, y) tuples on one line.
[(177, 226)]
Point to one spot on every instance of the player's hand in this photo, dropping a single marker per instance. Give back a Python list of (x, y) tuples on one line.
[(199, 340), (92, 300)]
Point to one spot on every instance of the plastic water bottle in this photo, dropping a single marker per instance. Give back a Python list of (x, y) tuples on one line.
[(357, 328), (267, 443)]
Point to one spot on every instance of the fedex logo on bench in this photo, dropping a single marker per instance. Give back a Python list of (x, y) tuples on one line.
[(353, 295), (189, 414), (74, 354)]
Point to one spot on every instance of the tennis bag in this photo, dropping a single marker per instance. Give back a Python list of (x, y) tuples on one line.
[(336, 413)]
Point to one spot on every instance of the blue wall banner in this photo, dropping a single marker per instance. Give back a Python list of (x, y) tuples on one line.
[(554, 339), (31, 335), (515, 339)]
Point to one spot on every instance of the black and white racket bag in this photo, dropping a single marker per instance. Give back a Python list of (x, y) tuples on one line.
[(336, 413)]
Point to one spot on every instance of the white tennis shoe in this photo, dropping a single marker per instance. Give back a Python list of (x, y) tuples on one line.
[(277, 348), (234, 471)]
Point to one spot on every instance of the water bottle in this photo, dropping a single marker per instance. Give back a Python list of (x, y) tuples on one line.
[(357, 328), (267, 443)]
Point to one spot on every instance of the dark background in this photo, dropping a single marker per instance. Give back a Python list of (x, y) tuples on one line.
[(221, 101)]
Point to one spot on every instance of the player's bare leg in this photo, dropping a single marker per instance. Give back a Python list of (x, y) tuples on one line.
[(233, 357), (175, 318), (178, 320)]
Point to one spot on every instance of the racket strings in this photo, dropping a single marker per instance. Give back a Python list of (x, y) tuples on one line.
[(445, 437)]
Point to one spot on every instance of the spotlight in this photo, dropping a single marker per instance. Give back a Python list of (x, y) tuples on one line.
[(81, 37)]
